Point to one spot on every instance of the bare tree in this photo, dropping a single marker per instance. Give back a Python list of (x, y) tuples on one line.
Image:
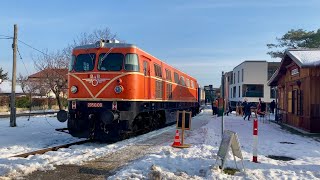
[(93, 37), (52, 74)]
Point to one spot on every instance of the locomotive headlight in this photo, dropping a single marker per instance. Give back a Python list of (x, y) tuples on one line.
[(118, 89), (74, 89)]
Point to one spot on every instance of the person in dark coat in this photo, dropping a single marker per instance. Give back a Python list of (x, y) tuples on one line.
[(213, 104), (272, 106), (247, 111)]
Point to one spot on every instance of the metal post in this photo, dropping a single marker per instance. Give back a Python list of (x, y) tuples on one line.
[(222, 93), (255, 141), (13, 87), (276, 106)]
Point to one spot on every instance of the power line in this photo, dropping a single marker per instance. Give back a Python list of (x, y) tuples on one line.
[(33, 47), (23, 62), (54, 69), (6, 36)]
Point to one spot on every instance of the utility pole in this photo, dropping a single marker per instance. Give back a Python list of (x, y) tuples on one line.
[(13, 87)]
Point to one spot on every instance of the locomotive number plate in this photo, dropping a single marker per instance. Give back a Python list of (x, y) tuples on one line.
[(94, 105)]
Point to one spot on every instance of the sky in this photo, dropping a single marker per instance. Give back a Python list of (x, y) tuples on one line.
[(201, 38)]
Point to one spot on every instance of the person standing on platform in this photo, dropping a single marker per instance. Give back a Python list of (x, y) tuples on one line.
[(272, 106), (247, 110), (213, 104)]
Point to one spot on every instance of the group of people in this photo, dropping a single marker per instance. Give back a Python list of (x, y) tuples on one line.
[(215, 105), (261, 108), (246, 108)]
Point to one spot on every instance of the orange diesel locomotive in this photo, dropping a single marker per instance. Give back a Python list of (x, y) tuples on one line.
[(116, 89)]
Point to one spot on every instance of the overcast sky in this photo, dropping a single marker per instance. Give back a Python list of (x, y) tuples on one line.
[(202, 38)]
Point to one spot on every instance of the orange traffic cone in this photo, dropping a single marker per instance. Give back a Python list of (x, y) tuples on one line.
[(176, 141)]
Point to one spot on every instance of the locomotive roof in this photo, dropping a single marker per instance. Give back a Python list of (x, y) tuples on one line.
[(106, 45)]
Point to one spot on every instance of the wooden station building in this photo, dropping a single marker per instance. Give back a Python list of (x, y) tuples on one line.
[(297, 81)]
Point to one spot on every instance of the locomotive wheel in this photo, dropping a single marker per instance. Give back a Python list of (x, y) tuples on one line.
[(155, 121)]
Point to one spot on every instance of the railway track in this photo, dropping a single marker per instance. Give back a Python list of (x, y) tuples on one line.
[(54, 148)]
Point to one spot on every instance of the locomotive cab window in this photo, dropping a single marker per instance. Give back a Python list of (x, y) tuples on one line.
[(71, 63), (110, 62), (84, 62), (131, 62)]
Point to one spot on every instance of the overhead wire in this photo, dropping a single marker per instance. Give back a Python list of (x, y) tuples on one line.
[(23, 62), (6, 36), (55, 70)]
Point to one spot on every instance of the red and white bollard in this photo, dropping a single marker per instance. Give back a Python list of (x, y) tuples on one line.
[(255, 141)]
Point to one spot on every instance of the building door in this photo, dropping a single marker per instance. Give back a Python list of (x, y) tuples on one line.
[(147, 79)]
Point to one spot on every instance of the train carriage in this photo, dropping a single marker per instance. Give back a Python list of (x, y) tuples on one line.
[(116, 89)]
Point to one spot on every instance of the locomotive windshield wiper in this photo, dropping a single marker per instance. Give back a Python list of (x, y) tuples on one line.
[(105, 56)]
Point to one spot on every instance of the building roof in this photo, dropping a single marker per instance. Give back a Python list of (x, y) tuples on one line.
[(44, 73), (250, 61), (5, 87), (304, 58)]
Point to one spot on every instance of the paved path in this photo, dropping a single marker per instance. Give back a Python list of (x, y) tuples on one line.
[(106, 166)]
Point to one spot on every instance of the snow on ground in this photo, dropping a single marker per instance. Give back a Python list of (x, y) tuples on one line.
[(40, 133), (170, 163), (197, 161)]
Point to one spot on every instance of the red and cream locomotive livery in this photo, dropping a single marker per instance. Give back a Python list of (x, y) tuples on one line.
[(116, 89)]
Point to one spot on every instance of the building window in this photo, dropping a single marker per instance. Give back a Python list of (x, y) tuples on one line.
[(242, 75), (239, 92), (157, 70), (234, 91), (234, 78), (238, 76), (158, 89), (169, 91), (231, 92), (272, 93), (297, 102), (252, 90)]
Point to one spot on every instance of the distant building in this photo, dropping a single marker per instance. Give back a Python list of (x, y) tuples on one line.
[(209, 93), (202, 96), (43, 78), (217, 92), (5, 88), (249, 81), (297, 81)]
